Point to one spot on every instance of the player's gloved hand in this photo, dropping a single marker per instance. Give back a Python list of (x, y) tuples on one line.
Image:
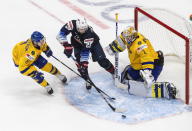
[(83, 70), (147, 77), (68, 49), (38, 76), (48, 52)]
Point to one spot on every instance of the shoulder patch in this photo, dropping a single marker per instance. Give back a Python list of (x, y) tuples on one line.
[(28, 56)]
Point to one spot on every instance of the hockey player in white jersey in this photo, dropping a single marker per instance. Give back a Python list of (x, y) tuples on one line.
[(145, 65)]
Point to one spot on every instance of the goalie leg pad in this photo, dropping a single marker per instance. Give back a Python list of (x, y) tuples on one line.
[(164, 90), (158, 90)]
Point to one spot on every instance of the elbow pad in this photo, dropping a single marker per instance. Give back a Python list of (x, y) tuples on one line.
[(61, 37)]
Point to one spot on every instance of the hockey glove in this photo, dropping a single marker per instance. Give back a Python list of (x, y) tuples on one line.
[(83, 70), (147, 77), (68, 49), (49, 52)]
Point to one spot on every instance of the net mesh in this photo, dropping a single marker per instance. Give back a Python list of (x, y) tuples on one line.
[(170, 43)]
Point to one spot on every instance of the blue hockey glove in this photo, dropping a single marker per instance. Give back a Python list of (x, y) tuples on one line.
[(48, 52)]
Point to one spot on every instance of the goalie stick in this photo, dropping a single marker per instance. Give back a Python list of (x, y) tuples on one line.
[(118, 84), (116, 54)]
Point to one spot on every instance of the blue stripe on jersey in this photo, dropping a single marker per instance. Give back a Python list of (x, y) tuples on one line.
[(23, 71), (145, 63), (40, 62), (84, 55)]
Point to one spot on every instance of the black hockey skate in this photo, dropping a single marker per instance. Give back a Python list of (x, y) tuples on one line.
[(49, 90), (64, 80), (88, 86)]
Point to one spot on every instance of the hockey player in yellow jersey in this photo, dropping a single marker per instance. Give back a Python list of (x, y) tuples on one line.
[(145, 65), (27, 56)]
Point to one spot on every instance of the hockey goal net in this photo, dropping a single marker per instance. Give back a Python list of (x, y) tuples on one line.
[(170, 33)]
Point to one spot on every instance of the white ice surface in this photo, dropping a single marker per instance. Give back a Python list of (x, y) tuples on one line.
[(24, 106)]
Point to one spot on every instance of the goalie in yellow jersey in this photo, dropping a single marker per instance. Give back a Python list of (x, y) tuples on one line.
[(145, 65), (27, 56)]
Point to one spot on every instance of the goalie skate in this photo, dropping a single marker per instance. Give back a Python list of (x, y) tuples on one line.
[(171, 90)]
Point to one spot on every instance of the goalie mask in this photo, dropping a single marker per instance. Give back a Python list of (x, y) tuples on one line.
[(81, 25), (38, 39), (128, 34)]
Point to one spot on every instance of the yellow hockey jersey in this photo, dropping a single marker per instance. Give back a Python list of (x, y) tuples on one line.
[(24, 54), (141, 52)]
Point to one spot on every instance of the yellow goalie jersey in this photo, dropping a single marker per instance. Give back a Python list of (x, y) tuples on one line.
[(140, 51), (24, 54)]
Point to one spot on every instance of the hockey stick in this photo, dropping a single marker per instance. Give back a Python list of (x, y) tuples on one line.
[(111, 98), (98, 90), (117, 75), (116, 54), (102, 93)]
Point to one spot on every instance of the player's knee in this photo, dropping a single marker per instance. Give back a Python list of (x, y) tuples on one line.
[(130, 74), (37, 76), (50, 69), (124, 74)]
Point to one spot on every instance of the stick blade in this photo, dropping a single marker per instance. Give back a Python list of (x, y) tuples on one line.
[(120, 110)]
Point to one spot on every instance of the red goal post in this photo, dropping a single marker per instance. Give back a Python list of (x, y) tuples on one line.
[(161, 25)]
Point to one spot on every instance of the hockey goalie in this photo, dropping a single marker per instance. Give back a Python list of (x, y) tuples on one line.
[(145, 66)]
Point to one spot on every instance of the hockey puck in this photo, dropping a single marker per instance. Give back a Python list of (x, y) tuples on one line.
[(123, 116)]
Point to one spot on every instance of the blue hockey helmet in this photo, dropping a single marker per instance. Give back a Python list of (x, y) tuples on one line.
[(37, 38)]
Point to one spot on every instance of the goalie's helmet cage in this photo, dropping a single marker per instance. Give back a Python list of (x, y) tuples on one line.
[(81, 25), (128, 33), (170, 33)]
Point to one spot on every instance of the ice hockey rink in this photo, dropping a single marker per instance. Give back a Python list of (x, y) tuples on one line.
[(24, 106)]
